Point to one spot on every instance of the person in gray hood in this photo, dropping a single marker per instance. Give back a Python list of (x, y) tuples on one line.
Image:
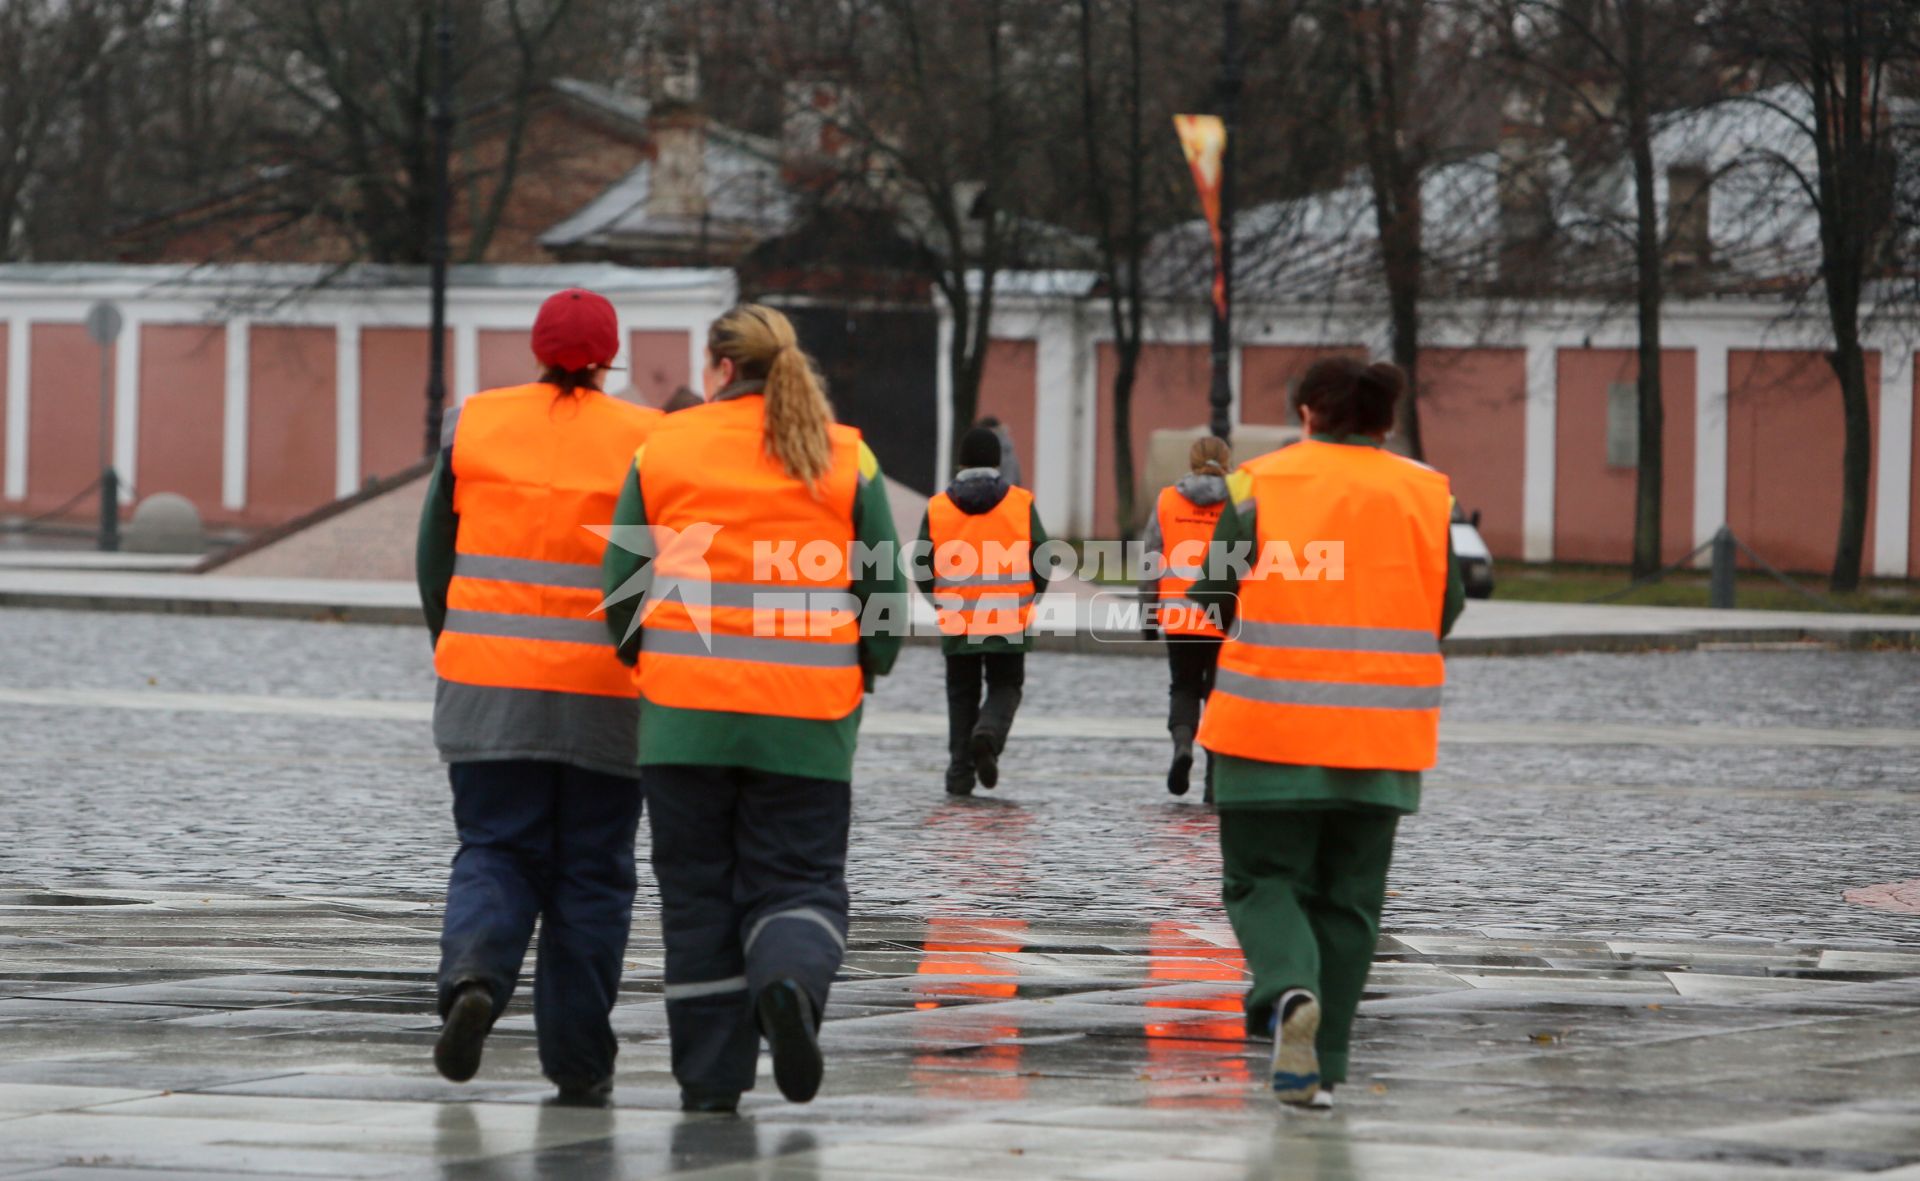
[(985, 612), (1178, 534)]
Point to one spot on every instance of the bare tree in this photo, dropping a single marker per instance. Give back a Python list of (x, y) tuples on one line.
[(1411, 72), (1839, 58), (52, 52), (1606, 70)]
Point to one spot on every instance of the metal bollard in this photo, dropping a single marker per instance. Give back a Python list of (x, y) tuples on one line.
[(1721, 591), (109, 511)]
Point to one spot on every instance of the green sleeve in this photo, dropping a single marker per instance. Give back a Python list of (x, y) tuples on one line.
[(923, 573), (1456, 592), (881, 587), (1222, 582), (434, 548), (1039, 533), (621, 564)]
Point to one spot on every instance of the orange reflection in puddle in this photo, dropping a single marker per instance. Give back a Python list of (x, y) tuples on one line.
[(969, 947), (1183, 1052)]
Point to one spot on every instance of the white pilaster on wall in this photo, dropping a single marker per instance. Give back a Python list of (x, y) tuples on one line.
[(1542, 423), (1236, 357), (19, 342), (943, 403), (1893, 465), (126, 409), (466, 362), (233, 457), (346, 408), (1053, 436), (697, 353), (1710, 381), (1086, 427)]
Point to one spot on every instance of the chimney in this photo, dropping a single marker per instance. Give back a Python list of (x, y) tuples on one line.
[(1523, 182), (1689, 215), (677, 187), (812, 141)]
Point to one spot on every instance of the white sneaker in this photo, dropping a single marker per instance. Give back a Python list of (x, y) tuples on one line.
[(1322, 1100), (1296, 1061)]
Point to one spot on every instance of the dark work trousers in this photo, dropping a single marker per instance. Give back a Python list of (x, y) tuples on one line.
[(552, 842), (753, 890), (1004, 673), (1191, 659)]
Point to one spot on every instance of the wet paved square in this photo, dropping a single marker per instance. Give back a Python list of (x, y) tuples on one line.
[(1620, 944)]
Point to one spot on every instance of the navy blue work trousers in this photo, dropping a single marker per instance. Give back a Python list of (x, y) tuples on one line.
[(549, 842), (753, 889)]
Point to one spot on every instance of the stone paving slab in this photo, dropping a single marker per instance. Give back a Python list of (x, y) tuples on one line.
[(959, 1051)]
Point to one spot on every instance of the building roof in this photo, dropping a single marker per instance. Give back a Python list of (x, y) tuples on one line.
[(745, 195)]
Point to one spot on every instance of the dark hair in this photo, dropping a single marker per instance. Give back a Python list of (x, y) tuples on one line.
[(980, 447), (570, 381), (1349, 397)]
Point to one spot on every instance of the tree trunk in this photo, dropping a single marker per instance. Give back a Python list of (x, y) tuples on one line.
[(1403, 304), (1127, 366), (1856, 459), (1651, 459)]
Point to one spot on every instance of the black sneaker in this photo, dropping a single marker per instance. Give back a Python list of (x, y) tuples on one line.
[(986, 762), (694, 1103), (579, 1093), (457, 1054), (786, 1018), (959, 782)]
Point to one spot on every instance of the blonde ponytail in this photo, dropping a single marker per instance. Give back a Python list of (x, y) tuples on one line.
[(761, 344)]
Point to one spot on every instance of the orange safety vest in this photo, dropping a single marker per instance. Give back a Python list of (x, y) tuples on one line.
[(983, 566), (757, 561), (1339, 665), (1186, 531), (532, 468)]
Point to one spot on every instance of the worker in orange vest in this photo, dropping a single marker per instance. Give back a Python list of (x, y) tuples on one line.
[(1325, 705), (977, 543), (534, 712), (755, 632), (1178, 536)]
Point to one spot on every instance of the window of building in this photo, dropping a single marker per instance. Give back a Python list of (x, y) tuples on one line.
[(1623, 424)]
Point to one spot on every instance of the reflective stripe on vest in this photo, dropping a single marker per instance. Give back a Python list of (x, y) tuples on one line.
[(983, 566), (532, 468), (1186, 530), (1342, 672), (717, 633)]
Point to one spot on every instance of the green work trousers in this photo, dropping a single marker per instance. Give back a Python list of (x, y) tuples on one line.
[(1304, 887)]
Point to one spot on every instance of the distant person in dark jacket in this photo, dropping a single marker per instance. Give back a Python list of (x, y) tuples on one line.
[(1009, 464), (682, 399), (981, 533)]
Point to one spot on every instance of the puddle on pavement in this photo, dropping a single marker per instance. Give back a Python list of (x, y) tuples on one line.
[(33, 899)]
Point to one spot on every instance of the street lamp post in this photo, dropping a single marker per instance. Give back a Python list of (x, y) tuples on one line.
[(438, 249), (1220, 392)]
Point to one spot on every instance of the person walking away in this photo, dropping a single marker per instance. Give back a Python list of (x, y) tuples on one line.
[(980, 536), (1325, 706), (1009, 464), (752, 659), (1178, 535), (534, 713)]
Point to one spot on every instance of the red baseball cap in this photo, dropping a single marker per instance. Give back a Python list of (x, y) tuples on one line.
[(576, 329)]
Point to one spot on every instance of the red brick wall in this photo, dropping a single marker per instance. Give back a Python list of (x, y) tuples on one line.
[(1473, 423), (657, 365), (1007, 392), (1169, 391), (290, 422), (1268, 374), (63, 416), (1784, 437), (183, 394), (1593, 503), (506, 358)]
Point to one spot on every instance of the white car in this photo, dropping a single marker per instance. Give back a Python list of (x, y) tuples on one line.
[(1470, 550)]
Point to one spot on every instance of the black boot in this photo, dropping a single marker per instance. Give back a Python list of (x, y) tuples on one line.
[(1182, 766), (584, 1092), (786, 1018), (469, 1018), (959, 781), (986, 760)]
